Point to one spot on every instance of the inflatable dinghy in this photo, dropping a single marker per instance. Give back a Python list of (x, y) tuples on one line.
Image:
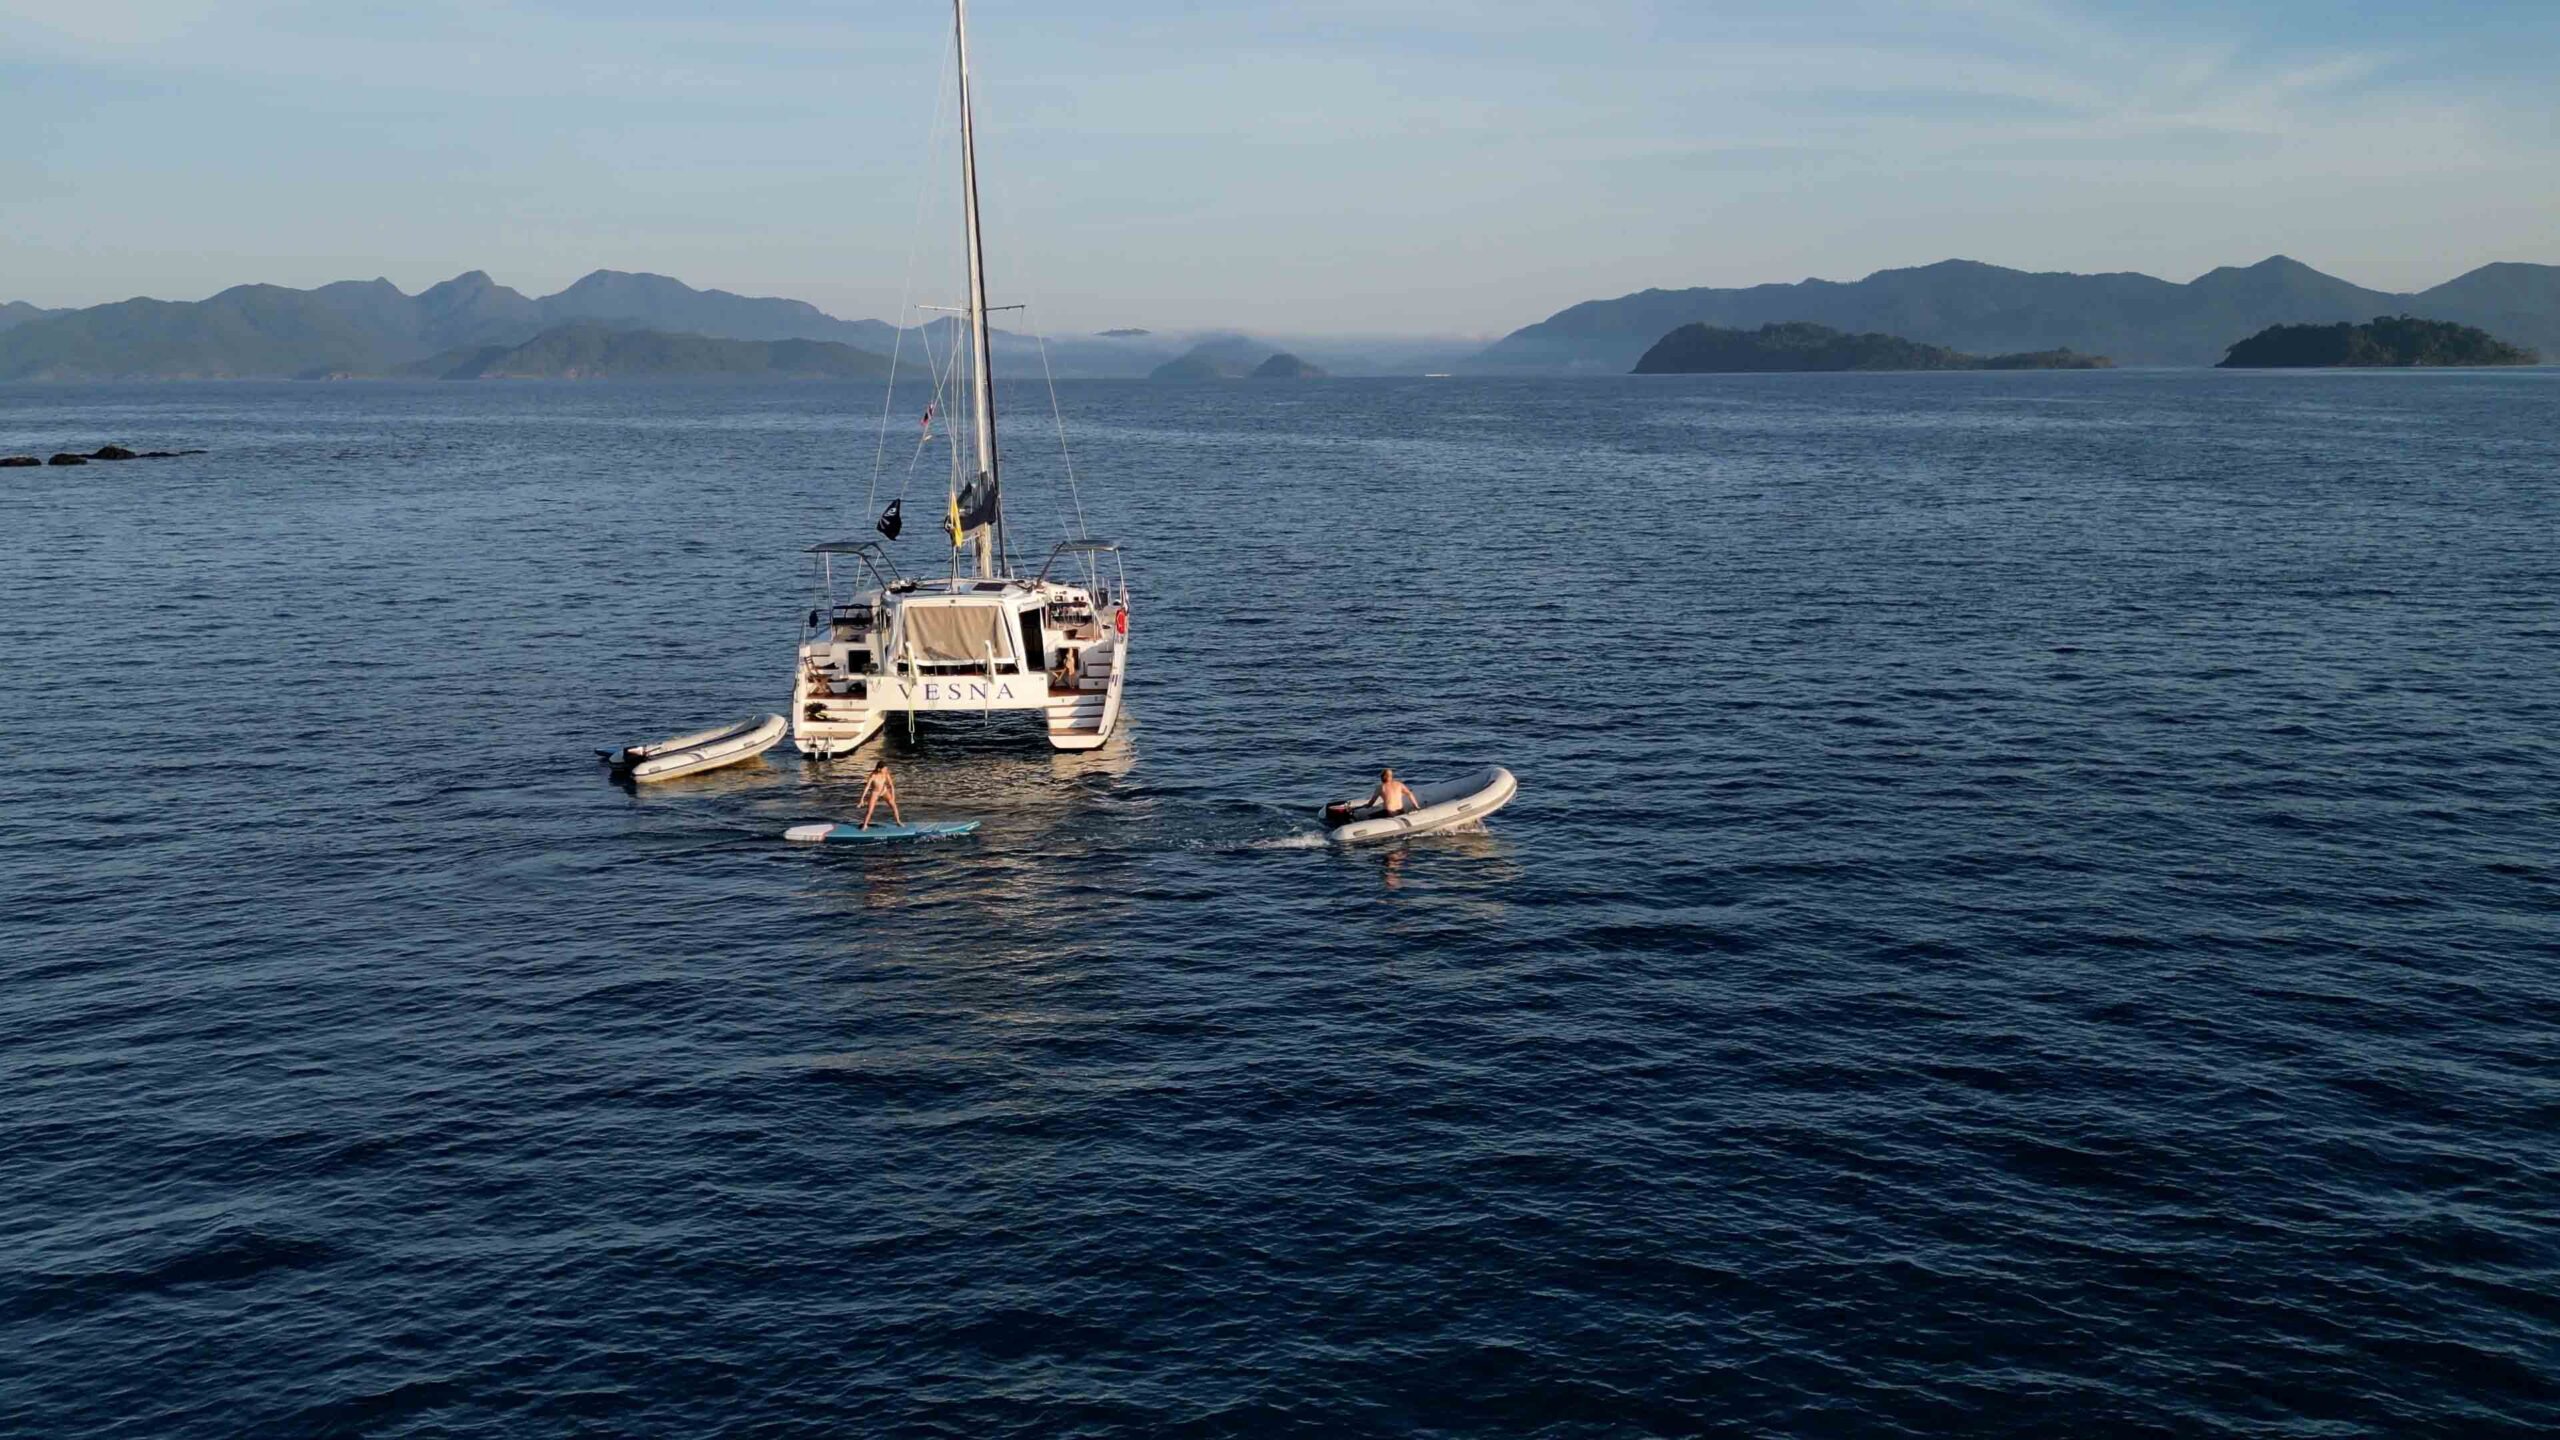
[(692, 754), (921, 830), (1445, 806)]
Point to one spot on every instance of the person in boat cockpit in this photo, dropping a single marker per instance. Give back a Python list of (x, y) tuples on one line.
[(878, 786), (1393, 796)]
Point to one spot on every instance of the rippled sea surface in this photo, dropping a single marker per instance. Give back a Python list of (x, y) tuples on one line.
[(2032, 910)]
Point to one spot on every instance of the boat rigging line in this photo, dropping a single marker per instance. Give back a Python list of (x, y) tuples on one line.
[(907, 290)]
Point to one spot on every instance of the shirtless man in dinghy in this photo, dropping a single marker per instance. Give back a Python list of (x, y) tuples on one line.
[(1393, 796)]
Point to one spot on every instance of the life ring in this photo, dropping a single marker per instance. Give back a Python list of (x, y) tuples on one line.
[(1120, 619)]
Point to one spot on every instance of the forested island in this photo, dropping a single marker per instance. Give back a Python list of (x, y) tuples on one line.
[(2384, 341), (1800, 346), (588, 350), (1285, 366), (1220, 357)]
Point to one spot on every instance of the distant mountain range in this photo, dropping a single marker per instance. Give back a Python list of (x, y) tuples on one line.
[(18, 312), (1969, 306), (371, 328)]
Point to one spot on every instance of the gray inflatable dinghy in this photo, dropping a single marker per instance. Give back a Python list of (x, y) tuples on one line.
[(1446, 805), (692, 754)]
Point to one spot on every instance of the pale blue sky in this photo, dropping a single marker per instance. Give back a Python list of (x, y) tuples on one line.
[(1411, 166)]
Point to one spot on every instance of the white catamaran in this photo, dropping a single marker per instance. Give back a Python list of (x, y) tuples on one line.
[(970, 642)]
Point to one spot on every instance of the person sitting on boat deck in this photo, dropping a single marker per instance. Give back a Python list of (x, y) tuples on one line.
[(876, 787), (1393, 796), (1064, 677)]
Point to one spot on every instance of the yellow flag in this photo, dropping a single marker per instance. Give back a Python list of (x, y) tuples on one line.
[(953, 524)]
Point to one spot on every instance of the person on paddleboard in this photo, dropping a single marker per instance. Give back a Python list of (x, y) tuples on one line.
[(1393, 796), (876, 787)]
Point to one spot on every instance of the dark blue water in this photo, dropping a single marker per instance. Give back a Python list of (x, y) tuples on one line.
[(2032, 910)]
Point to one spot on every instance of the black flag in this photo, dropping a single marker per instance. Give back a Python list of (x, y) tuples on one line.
[(890, 524)]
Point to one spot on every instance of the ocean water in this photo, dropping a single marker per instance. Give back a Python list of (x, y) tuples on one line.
[(2032, 910)]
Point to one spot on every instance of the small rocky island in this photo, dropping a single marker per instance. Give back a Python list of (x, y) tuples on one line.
[(2385, 341), (1220, 357), (1285, 366), (1801, 346)]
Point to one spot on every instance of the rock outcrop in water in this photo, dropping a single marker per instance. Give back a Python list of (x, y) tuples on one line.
[(1798, 346), (103, 452), (2386, 341)]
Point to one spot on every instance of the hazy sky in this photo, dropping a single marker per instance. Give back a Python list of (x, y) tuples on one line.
[(1447, 166)]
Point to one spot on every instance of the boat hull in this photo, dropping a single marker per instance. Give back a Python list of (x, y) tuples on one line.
[(835, 712), (1084, 717), (843, 732)]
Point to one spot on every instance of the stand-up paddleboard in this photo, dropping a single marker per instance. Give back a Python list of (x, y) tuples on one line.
[(847, 830), (1445, 806)]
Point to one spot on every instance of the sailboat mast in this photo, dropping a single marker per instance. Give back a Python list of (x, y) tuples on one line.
[(982, 388)]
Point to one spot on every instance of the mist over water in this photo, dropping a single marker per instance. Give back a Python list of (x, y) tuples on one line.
[(2030, 910)]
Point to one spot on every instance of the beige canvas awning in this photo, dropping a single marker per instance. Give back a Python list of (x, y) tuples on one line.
[(942, 634)]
